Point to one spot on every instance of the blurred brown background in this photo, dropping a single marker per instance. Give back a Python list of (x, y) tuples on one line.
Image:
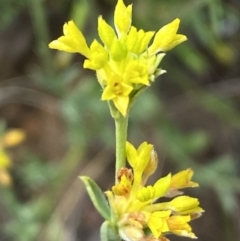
[(191, 114)]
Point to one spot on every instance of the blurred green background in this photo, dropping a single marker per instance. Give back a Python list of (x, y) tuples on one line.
[(191, 114)]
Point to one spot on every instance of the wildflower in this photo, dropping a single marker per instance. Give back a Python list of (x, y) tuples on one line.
[(126, 54), (167, 38), (118, 91), (133, 203), (181, 180), (179, 226)]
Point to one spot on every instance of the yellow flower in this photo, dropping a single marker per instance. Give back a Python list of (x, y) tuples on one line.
[(183, 180), (179, 226), (98, 57), (136, 73), (118, 92), (133, 204), (167, 38), (185, 205), (124, 51), (158, 223), (179, 181), (124, 186), (73, 40), (138, 158)]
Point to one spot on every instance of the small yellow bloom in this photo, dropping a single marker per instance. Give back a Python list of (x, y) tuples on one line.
[(167, 38), (179, 226), (139, 158), (73, 41), (136, 73), (123, 188), (185, 205), (98, 57), (158, 222), (183, 179), (118, 92)]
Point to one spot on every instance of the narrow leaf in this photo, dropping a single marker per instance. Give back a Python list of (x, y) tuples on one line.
[(98, 198)]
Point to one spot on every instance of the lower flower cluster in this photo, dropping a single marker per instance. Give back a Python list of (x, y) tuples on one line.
[(134, 207)]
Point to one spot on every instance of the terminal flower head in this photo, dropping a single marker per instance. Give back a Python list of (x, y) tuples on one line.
[(135, 205), (124, 51)]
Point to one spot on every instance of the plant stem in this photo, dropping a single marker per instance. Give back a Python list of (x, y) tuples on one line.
[(121, 124)]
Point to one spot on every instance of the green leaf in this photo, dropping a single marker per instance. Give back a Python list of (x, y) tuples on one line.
[(96, 195)]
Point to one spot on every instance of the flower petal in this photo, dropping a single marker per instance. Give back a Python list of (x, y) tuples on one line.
[(105, 32), (122, 18)]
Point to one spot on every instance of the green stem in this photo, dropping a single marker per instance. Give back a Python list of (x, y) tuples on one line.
[(121, 124)]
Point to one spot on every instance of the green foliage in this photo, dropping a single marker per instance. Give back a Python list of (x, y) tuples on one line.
[(97, 196), (30, 214), (36, 173), (10, 9), (226, 182)]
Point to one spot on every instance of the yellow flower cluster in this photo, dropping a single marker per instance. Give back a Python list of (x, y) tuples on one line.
[(10, 139), (133, 203), (125, 64)]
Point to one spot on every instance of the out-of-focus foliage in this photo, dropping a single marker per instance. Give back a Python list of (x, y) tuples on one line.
[(9, 9), (191, 114)]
